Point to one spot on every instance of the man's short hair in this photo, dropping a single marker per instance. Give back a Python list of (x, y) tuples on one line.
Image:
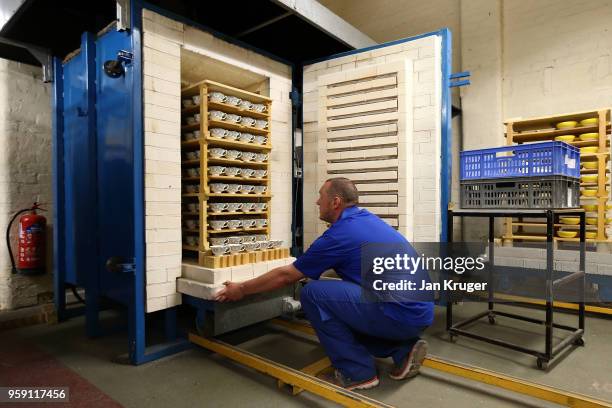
[(343, 188)]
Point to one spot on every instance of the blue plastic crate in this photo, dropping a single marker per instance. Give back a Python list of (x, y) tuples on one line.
[(533, 159)]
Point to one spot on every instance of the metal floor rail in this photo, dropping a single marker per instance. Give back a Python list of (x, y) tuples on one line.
[(289, 375), (520, 386)]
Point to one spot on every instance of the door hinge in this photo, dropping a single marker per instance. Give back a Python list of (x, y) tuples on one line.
[(295, 98)]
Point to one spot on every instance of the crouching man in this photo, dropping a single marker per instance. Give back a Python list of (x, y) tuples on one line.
[(351, 330)]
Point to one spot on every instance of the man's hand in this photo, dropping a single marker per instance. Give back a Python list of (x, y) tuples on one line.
[(231, 293), (274, 279)]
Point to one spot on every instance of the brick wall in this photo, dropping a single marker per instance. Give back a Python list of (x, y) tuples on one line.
[(25, 171), (163, 41), (564, 260)]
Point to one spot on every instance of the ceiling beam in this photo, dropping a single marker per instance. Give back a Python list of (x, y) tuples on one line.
[(323, 18), (8, 10), (264, 24), (42, 55)]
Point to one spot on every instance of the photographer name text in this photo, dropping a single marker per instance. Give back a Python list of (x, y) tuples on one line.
[(448, 284)]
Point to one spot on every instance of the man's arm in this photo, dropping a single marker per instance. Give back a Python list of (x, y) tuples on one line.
[(274, 279)]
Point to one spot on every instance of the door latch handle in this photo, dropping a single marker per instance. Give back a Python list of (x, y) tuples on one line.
[(119, 264), (125, 57), (115, 68)]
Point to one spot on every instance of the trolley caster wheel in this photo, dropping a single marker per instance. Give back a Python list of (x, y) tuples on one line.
[(542, 365), (453, 338), (491, 320), (579, 342)]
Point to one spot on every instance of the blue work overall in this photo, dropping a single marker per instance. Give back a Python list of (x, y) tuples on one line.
[(351, 329)]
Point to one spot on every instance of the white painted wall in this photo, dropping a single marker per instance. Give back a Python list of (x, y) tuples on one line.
[(25, 172), (551, 56), (388, 20), (557, 56), (532, 59), (527, 58)]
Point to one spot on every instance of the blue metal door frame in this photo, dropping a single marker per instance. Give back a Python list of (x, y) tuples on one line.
[(137, 310), (98, 188), (59, 261), (75, 174), (135, 298), (138, 351), (92, 280)]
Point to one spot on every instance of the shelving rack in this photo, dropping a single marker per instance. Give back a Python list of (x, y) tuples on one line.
[(543, 129), (205, 195)]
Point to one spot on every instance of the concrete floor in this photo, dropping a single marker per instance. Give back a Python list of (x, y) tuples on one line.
[(199, 378)]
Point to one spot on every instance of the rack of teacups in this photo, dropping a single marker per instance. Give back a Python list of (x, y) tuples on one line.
[(589, 132), (231, 127)]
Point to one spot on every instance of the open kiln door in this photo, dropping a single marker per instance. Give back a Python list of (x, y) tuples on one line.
[(375, 117)]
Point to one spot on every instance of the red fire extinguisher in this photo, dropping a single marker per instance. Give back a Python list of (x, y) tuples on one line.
[(31, 242)]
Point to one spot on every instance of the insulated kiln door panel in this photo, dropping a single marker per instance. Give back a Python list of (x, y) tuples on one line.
[(375, 117)]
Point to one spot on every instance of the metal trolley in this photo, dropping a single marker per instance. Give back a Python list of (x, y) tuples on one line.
[(575, 334)]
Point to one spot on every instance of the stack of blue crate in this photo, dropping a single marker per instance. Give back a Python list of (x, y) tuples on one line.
[(534, 175)]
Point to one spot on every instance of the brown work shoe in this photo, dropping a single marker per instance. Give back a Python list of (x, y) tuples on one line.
[(337, 378), (411, 364)]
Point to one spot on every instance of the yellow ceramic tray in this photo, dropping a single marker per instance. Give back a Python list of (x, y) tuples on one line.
[(589, 122), (590, 149), (570, 220), (567, 125), (567, 234), (590, 165), (589, 136)]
